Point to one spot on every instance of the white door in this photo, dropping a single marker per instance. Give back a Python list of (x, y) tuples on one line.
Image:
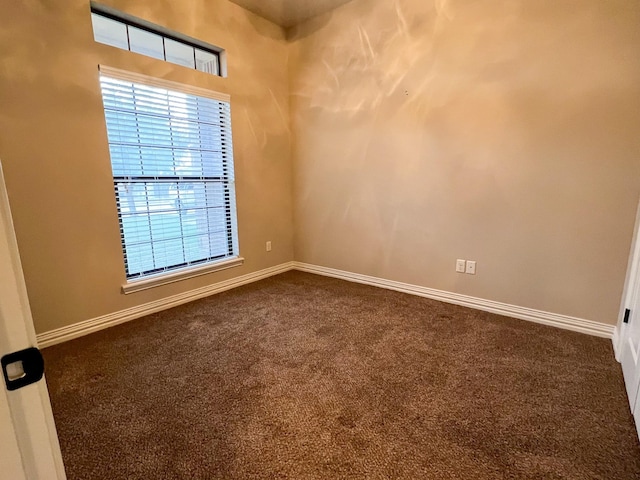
[(626, 338), (29, 448), (636, 411), (630, 349), (627, 345)]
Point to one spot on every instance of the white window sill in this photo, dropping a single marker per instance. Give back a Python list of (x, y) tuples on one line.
[(151, 282)]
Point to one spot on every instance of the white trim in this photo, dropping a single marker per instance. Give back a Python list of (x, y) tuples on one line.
[(615, 339), (566, 322), (86, 327), (30, 434), (629, 290), (538, 316), (162, 83), (151, 282)]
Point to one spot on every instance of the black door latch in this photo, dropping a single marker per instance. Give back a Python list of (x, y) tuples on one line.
[(32, 368)]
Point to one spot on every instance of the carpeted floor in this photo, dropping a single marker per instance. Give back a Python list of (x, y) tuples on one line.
[(306, 377)]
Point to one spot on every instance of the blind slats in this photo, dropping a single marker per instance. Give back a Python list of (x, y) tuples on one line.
[(171, 156)]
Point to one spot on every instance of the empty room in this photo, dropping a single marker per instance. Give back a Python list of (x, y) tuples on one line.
[(320, 239)]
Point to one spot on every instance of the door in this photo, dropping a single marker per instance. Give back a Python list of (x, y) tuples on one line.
[(636, 411), (630, 349), (627, 337), (29, 448)]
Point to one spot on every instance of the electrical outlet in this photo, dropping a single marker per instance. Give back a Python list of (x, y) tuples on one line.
[(460, 266), (268, 246), (471, 267)]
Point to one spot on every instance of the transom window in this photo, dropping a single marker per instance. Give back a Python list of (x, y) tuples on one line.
[(172, 161), (129, 33)]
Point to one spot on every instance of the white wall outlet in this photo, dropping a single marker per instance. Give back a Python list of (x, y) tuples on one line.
[(471, 267), (460, 266), (268, 246)]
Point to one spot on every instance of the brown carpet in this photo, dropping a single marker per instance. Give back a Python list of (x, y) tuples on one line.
[(305, 377)]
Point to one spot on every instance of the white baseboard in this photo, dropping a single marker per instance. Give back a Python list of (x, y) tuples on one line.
[(86, 327), (538, 316)]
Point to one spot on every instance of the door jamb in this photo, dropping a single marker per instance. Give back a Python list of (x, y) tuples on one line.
[(633, 270)]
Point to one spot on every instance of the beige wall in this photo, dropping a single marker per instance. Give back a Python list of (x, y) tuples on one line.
[(54, 151), (504, 132), (501, 131)]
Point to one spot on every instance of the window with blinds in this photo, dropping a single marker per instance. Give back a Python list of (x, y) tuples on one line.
[(172, 162)]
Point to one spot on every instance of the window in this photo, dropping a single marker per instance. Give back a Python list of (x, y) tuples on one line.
[(172, 161), (130, 33)]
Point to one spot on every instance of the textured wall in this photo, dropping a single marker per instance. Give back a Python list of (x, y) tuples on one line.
[(54, 151), (502, 131)]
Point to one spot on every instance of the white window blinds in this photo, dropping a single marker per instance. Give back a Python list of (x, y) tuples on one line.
[(172, 160)]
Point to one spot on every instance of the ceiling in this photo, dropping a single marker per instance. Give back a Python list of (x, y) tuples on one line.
[(288, 13)]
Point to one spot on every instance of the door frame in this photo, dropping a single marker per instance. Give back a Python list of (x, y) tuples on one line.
[(630, 283), (30, 447)]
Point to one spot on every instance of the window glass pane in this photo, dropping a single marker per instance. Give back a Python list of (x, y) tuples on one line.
[(136, 228), (109, 31), (139, 258), (168, 252), (126, 160), (132, 198), (215, 194), (206, 62), (179, 53), (196, 247), (146, 43)]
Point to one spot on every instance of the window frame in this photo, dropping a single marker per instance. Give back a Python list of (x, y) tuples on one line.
[(169, 275), (131, 21)]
